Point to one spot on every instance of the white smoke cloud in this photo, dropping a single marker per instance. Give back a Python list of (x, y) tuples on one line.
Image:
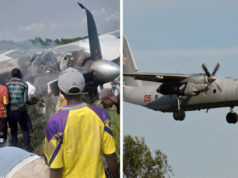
[(101, 11), (35, 27)]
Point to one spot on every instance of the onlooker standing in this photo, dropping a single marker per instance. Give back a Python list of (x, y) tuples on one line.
[(79, 135), (3, 113), (18, 91), (32, 99)]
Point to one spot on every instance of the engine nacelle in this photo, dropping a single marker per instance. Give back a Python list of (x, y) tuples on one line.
[(105, 71), (192, 89), (191, 86), (196, 83)]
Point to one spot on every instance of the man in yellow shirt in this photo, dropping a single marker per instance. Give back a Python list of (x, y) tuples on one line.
[(79, 135)]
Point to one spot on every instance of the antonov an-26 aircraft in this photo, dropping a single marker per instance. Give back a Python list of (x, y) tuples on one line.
[(178, 93)]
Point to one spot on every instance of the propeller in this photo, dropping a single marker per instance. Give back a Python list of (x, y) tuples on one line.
[(211, 77), (94, 44), (104, 70)]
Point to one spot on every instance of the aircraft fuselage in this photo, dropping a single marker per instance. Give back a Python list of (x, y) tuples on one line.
[(146, 95)]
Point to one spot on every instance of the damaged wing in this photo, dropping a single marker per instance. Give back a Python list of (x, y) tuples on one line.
[(110, 45), (4, 56)]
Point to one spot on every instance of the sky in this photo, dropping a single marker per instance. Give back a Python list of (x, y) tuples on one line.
[(171, 36), (24, 19)]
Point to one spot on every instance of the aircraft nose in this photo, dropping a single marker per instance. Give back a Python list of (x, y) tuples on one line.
[(105, 70)]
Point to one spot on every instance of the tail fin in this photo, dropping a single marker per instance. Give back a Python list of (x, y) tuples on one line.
[(129, 65), (94, 44)]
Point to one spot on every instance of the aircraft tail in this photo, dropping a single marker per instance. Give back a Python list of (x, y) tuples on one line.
[(129, 65)]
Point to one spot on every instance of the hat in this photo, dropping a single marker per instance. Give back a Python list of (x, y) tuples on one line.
[(71, 82)]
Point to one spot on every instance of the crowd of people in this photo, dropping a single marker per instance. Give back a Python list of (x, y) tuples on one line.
[(14, 97), (76, 138)]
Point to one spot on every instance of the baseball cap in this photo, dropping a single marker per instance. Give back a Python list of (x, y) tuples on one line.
[(71, 82)]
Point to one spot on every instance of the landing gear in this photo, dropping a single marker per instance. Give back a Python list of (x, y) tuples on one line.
[(179, 101), (231, 117), (179, 115)]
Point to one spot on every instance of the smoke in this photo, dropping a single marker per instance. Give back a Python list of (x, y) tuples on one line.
[(39, 71), (40, 65), (34, 44), (7, 45)]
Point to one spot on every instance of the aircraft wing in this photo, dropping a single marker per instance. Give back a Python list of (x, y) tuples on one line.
[(110, 45), (4, 56), (158, 77)]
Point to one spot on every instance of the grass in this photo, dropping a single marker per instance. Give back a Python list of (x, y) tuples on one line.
[(115, 125)]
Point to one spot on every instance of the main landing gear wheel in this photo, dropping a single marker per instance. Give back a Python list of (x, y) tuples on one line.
[(231, 117), (179, 115)]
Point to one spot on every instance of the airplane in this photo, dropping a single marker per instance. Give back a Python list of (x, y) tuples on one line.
[(97, 71), (42, 66), (177, 93), (104, 71)]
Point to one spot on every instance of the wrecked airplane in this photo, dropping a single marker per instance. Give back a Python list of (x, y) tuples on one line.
[(40, 66)]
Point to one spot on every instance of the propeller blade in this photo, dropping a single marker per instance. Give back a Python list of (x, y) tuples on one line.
[(205, 69), (94, 44), (216, 68)]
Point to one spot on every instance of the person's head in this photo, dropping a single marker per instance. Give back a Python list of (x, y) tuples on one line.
[(16, 73), (71, 83)]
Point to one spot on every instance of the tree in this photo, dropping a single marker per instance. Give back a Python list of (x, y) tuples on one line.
[(138, 160)]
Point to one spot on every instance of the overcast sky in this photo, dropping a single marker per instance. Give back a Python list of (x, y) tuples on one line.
[(24, 19), (172, 36)]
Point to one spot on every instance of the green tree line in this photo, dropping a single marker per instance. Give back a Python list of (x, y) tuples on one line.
[(49, 42), (139, 162)]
